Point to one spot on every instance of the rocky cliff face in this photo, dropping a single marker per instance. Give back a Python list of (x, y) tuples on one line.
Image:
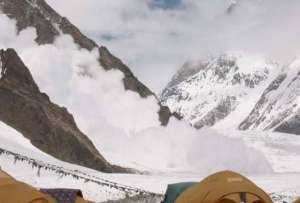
[(208, 91), (48, 126), (49, 24)]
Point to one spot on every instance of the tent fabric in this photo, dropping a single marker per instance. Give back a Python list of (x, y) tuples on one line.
[(81, 200), (4, 175), (297, 201), (65, 195), (224, 187), (25, 193), (13, 191), (174, 190)]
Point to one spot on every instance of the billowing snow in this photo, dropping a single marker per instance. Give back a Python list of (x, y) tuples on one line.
[(123, 126)]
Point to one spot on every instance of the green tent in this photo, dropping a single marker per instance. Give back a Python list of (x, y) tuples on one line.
[(174, 190)]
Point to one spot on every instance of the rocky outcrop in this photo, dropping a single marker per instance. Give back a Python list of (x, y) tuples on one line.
[(291, 126), (223, 109), (109, 61), (48, 126), (49, 24), (165, 114)]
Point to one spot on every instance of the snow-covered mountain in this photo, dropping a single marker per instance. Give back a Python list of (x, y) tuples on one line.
[(207, 91), (278, 107), (237, 91)]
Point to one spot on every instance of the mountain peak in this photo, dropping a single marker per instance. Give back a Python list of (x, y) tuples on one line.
[(207, 91)]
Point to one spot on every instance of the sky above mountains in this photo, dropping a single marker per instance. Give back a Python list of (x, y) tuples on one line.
[(165, 4), (155, 37)]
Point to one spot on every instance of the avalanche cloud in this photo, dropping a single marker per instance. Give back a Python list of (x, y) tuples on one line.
[(123, 126)]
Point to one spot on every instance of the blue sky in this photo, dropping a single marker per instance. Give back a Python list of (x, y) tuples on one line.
[(165, 4)]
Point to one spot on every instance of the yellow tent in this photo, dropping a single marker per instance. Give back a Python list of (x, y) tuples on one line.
[(297, 201), (13, 191), (224, 187)]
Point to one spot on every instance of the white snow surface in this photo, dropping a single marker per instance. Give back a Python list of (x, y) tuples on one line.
[(21, 170), (282, 150)]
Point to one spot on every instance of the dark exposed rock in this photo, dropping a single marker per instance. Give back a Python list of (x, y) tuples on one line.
[(48, 23), (109, 61), (223, 109), (165, 114), (48, 126), (291, 126), (231, 8), (26, 16)]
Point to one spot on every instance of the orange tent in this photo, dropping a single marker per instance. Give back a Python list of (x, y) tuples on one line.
[(224, 187), (297, 201), (13, 191)]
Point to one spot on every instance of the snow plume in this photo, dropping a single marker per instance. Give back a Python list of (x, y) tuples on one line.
[(123, 126), (74, 79), (179, 148)]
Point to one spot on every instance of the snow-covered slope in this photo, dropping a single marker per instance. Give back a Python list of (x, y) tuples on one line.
[(23, 161), (278, 107), (100, 187), (208, 91)]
